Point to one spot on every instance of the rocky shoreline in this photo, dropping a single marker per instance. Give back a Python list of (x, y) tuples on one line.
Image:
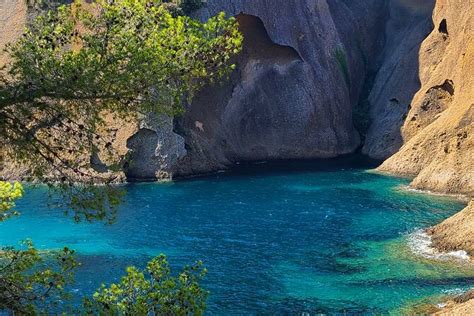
[(459, 305), (456, 233), (454, 238)]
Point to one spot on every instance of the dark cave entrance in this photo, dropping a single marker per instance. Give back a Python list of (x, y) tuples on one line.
[(258, 44)]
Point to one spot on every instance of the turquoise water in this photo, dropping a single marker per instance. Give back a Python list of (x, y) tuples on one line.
[(304, 238)]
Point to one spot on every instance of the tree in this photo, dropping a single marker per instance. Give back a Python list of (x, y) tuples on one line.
[(30, 282), (152, 291), (72, 66), (77, 63), (8, 194)]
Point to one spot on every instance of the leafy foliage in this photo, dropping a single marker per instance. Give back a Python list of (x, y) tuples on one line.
[(33, 283), (8, 194), (79, 62), (152, 291), (73, 65), (45, 4), (30, 282)]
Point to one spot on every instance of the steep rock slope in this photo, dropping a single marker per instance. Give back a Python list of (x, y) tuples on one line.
[(456, 233), (302, 70), (458, 306), (291, 96), (397, 78), (438, 132)]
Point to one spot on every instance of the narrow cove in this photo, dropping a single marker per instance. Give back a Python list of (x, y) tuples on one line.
[(276, 238)]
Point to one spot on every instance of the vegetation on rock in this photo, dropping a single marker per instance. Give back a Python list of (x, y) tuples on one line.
[(72, 65), (76, 63)]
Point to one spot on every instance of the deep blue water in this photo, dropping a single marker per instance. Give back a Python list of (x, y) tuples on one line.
[(286, 241)]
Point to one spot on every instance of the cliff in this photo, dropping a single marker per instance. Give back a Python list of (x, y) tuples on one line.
[(305, 80), (302, 68), (438, 132), (307, 85), (461, 305), (301, 83), (396, 80)]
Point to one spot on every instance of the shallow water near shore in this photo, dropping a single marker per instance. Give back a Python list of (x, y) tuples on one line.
[(309, 237)]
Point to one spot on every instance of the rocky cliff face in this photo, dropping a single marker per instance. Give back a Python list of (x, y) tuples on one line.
[(397, 78), (309, 72), (301, 70), (305, 69), (456, 233), (438, 132)]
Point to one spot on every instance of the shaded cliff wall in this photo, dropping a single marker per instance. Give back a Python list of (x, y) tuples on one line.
[(303, 67), (438, 132), (397, 78)]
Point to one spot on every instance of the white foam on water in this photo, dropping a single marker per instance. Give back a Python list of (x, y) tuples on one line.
[(454, 292), (420, 243), (460, 197)]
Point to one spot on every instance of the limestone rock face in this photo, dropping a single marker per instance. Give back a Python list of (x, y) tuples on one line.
[(153, 150), (302, 68), (438, 132), (460, 305)]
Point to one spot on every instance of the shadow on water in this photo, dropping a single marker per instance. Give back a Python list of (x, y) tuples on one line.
[(280, 167)]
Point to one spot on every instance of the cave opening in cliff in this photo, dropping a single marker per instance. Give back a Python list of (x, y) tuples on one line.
[(443, 27), (259, 46)]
